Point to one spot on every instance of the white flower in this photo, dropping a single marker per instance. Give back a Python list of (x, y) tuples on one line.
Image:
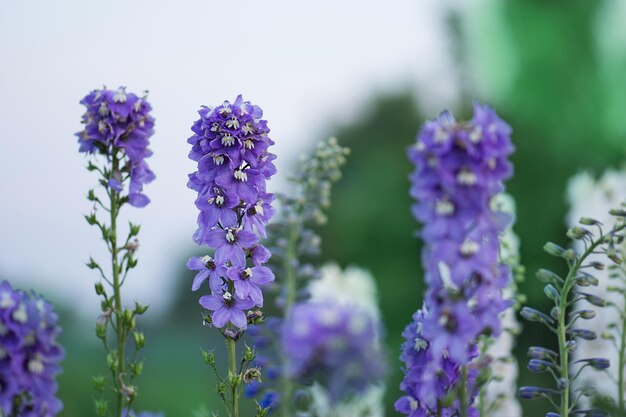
[(369, 404), (594, 199), (353, 287)]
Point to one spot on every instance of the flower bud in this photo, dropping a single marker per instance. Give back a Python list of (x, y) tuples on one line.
[(140, 340), (551, 292), (553, 249), (99, 288)]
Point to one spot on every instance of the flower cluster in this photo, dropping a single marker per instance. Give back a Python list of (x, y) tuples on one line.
[(431, 380), (459, 168), (29, 355), (333, 338), (230, 145), (119, 125)]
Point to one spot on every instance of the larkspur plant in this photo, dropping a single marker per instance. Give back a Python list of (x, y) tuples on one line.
[(591, 196), (116, 135), (293, 240), (567, 294), (459, 169), (29, 355), (230, 146)]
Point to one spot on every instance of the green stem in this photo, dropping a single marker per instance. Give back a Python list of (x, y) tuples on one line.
[(463, 394), (232, 372), (119, 319), (570, 280), (290, 298)]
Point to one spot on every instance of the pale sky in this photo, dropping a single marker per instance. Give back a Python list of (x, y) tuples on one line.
[(309, 65)]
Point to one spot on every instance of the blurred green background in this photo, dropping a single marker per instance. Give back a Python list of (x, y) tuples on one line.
[(556, 73)]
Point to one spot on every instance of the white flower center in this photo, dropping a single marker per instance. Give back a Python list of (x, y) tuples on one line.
[(476, 135), (103, 109), (218, 160), (35, 366), (259, 207), (227, 296), (440, 135), (240, 175), (215, 127), (230, 236), (120, 96), (5, 300), (20, 314), (444, 208), (228, 140), (137, 105), (247, 273), (219, 200), (469, 248), (233, 123), (248, 143), (102, 126), (226, 108), (206, 259), (466, 177), (247, 129)]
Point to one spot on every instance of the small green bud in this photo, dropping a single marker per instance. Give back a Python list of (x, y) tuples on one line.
[(140, 340), (249, 355), (597, 265), (549, 277), (587, 221), (553, 249), (91, 219), (112, 362), (102, 408), (136, 368), (593, 299), (208, 357), (128, 316), (140, 309), (92, 264), (134, 229), (586, 280), (91, 195), (576, 233), (617, 212), (555, 313), (101, 329), (551, 292), (100, 288), (98, 383)]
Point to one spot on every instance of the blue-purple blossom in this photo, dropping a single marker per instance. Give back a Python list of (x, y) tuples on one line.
[(119, 125), (335, 345), (230, 145), (429, 377), (29, 354), (459, 169)]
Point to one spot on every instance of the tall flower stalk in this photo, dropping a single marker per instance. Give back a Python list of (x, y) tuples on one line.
[(566, 293), (230, 146), (590, 196), (293, 240), (459, 168), (116, 135)]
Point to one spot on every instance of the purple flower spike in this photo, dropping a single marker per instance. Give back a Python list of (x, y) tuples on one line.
[(119, 124), (459, 169), (230, 145), (29, 354)]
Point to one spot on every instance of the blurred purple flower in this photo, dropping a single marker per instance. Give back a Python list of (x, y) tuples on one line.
[(335, 345), (29, 354)]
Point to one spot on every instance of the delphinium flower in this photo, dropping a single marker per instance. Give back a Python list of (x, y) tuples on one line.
[(573, 303), (230, 146), (118, 126), (29, 355), (459, 168), (333, 340), (587, 195), (498, 395), (431, 381), (293, 243)]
